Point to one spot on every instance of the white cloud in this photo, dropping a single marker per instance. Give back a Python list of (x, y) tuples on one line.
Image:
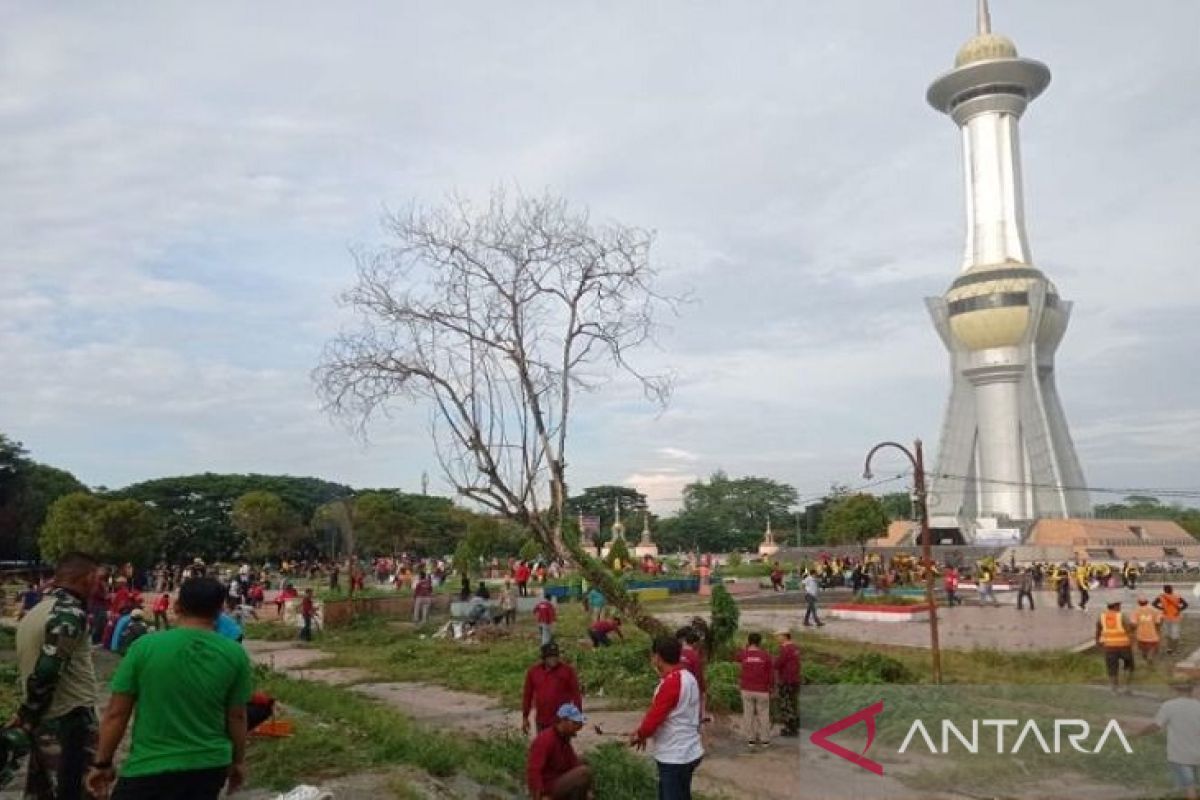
[(180, 192)]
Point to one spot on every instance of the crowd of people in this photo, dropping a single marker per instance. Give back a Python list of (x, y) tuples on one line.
[(199, 609), (190, 684)]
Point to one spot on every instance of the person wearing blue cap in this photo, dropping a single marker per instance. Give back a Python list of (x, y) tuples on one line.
[(553, 770)]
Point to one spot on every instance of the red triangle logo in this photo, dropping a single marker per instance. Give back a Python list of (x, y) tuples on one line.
[(821, 738)]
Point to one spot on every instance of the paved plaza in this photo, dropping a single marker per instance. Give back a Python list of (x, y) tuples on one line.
[(966, 627)]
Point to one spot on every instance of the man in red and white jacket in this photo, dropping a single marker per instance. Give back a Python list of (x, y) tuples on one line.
[(673, 721), (756, 681), (545, 613)]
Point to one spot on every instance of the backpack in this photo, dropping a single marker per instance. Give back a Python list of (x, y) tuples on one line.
[(135, 630)]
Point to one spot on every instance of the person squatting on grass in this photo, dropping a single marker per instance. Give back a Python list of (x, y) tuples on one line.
[(673, 722), (600, 630), (553, 771), (190, 686)]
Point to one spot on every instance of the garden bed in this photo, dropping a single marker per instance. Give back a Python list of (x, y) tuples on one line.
[(887, 609)]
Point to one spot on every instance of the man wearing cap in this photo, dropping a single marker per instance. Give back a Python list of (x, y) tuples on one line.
[(1146, 622), (549, 684), (787, 673), (553, 770), (1112, 634), (1180, 718)]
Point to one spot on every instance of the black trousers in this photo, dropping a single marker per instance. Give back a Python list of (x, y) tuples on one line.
[(1021, 596), (196, 784)]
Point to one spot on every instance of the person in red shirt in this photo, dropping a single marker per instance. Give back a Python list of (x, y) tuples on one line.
[(787, 672), (521, 577), (553, 771), (600, 629), (308, 610), (950, 584), (756, 681), (288, 592), (691, 658), (548, 684), (545, 614), (777, 577), (160, 612)]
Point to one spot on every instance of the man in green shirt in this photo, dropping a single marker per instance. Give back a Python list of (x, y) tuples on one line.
[(190, 686)]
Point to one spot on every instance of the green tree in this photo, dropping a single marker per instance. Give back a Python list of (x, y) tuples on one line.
[(738, 508), (197, 509), (898, 505), (619, 552), (27, 488), (853, 519), (269, 524), (383, 526), (725, 618), (530, 550), (113, 530)]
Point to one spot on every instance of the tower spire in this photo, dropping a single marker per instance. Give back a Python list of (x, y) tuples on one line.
[(984, 21)]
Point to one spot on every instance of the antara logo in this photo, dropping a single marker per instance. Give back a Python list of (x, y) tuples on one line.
[(1075, 732), (867, 715)]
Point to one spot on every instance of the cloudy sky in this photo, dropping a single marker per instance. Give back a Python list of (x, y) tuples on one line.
[(180, 184)]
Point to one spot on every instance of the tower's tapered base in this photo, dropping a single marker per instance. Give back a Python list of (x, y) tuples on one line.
[(1005, 457)]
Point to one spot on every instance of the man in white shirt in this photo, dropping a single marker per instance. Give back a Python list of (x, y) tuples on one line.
[(673, 721), (811, 587), (1180, 718)]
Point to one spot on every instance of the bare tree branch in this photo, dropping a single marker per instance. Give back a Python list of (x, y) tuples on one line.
[(496, 317)]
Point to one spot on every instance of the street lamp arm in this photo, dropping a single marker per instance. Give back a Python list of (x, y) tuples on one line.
[(867, 466)]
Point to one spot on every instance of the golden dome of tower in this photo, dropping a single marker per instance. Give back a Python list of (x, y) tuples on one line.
[(985, 47)]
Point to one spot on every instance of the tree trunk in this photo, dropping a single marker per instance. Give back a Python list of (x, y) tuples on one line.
[(630, 607)]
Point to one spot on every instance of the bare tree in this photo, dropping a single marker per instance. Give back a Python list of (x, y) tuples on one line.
[(497, 317)]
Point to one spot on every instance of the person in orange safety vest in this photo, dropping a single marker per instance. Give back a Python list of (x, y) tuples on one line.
[(1112, 634)]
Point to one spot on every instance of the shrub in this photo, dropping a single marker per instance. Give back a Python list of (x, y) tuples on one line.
[(619, 552), (724, 696), (873, 668), (621, 672), (725, 616)]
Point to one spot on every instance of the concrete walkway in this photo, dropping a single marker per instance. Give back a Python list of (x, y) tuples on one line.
[(965, 627)]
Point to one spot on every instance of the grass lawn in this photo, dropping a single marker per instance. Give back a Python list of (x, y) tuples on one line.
[(339, 732)]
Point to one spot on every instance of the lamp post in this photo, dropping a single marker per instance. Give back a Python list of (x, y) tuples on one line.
[(918, 464)]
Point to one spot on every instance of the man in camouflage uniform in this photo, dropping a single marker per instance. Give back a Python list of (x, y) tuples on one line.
[(58, 706)]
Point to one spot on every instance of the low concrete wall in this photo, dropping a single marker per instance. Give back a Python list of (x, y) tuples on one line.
[(340, 612), (651, 594), (875, 613), (747, 586)]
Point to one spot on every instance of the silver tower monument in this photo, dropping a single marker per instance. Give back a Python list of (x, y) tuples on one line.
[(1005, 457)]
